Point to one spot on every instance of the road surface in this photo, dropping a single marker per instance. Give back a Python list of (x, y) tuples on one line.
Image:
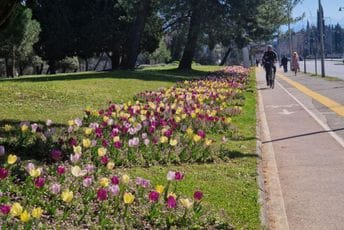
[(332, 68)]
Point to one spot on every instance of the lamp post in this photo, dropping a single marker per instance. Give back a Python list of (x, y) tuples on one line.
[(321, 30), (289, 29)]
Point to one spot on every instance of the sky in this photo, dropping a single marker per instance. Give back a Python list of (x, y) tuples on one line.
[(332, 14)]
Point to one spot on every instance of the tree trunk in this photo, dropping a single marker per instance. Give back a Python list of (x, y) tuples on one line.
[(13, 67), (86, 64), (41, 69), (52, 66), (8, 67), (97, 64), (132, 47), (224, 59), (191, 44)]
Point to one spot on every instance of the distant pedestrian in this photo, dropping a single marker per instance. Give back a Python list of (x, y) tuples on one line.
[(284, 63), (295, 63), (257, 62)]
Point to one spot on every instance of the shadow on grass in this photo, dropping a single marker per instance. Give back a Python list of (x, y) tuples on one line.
[(237, 154), (169, 75)]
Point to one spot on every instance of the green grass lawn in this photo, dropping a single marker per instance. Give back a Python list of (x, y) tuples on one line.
[(229, 186), (64, 96)]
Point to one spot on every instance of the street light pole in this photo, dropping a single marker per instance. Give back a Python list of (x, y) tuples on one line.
[(322, 47), (290, 37)]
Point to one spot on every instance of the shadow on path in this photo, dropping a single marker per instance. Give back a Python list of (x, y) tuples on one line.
[(303, 135)]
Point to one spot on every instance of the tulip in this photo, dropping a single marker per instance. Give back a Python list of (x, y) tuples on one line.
[(35, 172), (114, 190), (37, 213), (67, 196), (198, 195), (102, 194), (5, 209), (154, 196), (56, 155), (125, 179), (55, 188), (114, 180), (2, 150), (87, 181), (171, 175), (110, 165), (86, 143), (16, 209), (102, 152), (39, 182), (60, 170), (160, 188), (24, 128), (179, 176), (104, 160), (3, 173), (77, 149), (186, 203), (25, 216), (77, 172), (104, 182), (128, 198), (171, 202), (11, 159)]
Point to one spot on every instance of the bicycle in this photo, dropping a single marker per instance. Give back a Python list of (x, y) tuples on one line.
[(271, 76)]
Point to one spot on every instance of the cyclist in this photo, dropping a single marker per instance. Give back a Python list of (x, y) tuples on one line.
[(269, 59)]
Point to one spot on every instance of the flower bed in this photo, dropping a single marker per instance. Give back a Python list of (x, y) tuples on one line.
[(75, 184)]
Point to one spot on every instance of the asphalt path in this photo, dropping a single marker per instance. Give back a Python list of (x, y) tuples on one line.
[(303, 151)]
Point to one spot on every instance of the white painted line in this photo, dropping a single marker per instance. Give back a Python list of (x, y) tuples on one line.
[(275, 205), (322, 124)]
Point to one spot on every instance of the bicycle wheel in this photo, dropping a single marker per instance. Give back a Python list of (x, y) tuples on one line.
[(272, 83)]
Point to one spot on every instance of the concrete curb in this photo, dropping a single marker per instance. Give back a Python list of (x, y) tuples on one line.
[(274, 215)]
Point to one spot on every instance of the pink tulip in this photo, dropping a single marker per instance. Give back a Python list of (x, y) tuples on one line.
[(102, 194), (154, 196)]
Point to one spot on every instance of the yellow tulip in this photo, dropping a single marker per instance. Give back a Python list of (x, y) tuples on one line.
[(172, 194), (67, 196), (24, 128), (116, 139), (163, 139), (77, 149), (110, 165), (208, 142), (104, 182), (125, 179), (128, 198), (160, 188), (196, 138), (86, 143), (16, 209), (189, 131), (25, 216), (35, 172), (102, 151), (11, 159), (173, 142), (37, 213), (228, 120), (178, 119), (186, 203), (77, 172), (7, 128), (105, 118), (71, 123), (88, 131)]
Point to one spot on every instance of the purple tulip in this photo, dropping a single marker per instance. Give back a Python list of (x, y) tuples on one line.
[(3, 173), (198, 195), (87, 182), (118, 145), (5, 209), (39, 182), (61, 169), (171, 202), (56, 155), (55, 188), (104, 160), (154, 196), (201, 133), (114, 190), (102, 194), (179, 176), (115, 180), (73, 142), (2, 150)]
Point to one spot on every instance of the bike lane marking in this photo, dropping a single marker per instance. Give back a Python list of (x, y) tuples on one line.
[(329, 103), (321, 123)]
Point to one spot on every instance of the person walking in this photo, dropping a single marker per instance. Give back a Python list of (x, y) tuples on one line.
[(268, 61), (295, 63), (284, 63)]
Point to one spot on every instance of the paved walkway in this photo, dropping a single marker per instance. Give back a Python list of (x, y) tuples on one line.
[(302, 133)]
